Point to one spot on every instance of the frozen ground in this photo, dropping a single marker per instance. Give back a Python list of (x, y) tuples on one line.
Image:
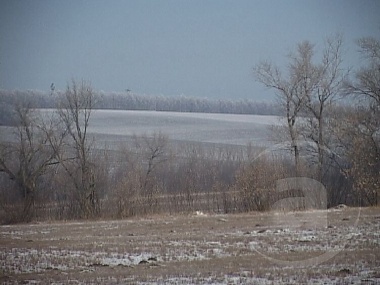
[(252, 248)]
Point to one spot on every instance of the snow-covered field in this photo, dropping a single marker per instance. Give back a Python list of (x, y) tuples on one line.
[(252, 248), (109, 125), (110, 128)]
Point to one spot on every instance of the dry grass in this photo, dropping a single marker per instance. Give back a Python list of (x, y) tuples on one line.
[(254, 248)]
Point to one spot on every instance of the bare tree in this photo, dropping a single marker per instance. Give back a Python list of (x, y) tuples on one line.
[(26, 158), (139, 184), (364, 152), (75, 110), (366, 85), (308, 89), (292, 89), (364, 155), (153, 152), (329, 78)]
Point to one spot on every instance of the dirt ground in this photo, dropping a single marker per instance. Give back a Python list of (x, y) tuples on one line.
[(337, 246)]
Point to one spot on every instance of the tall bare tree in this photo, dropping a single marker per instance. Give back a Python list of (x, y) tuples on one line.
[(28, 155), (307, 89), (292, 89), (329, 78), (75, 109)]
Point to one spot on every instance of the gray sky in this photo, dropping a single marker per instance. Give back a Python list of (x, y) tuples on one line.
[(201, 48)]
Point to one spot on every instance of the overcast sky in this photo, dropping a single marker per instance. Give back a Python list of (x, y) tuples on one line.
[(201, 48)]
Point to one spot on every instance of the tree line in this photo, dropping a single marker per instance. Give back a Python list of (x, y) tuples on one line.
[(51, 169), (132, 101)]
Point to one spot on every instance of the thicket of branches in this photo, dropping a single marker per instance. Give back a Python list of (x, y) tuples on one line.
[(50, 168)]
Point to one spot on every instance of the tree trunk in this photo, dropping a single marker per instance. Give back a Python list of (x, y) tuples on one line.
[(294, 146), (28, 204)]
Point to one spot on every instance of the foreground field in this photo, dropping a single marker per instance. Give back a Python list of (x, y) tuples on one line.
[(253, 248)]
